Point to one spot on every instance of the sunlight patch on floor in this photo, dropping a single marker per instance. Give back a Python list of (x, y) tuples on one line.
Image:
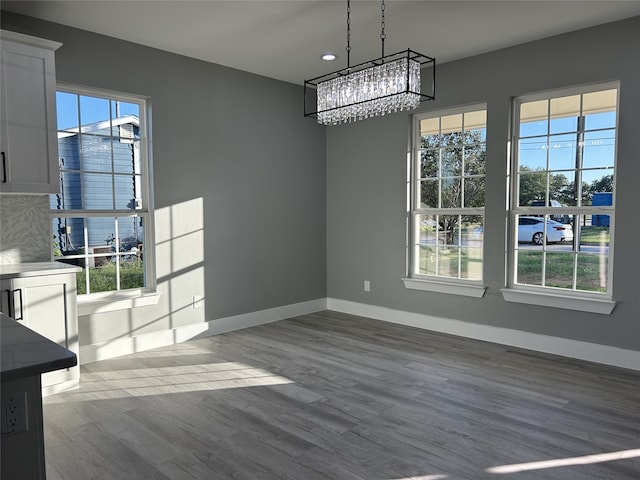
[(566, 462), (423, 477), (167, 380)]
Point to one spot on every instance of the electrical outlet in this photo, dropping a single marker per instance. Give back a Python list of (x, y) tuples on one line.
[(367, 286), (14, 413), (197, 301)]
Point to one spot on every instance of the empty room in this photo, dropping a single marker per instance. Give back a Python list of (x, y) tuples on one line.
[(306, 240)]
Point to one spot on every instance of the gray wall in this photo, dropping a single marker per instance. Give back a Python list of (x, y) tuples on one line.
[(239, 178), (366, 187)]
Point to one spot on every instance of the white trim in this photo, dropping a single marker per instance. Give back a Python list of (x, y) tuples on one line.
[(568, 302), (468, 290), (122, 300), (37, 42), (591, 352), (124, 346)]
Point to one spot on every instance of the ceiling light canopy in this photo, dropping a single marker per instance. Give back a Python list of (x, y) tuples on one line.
[(384, 85)]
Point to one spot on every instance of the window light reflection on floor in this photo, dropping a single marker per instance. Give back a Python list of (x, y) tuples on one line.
[(167, 380), (566, 462)]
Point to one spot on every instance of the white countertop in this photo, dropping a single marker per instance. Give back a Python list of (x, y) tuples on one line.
[(13, 270)]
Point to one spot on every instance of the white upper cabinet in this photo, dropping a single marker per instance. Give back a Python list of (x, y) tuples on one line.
[(28, 115)]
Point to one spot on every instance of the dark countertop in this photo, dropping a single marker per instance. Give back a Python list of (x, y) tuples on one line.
[(26, 353)]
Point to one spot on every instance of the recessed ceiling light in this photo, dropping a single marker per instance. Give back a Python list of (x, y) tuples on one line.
[(329, 56)]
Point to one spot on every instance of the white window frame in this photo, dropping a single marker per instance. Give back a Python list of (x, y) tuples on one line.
[(413, 279), (107, 301), (571, 299)]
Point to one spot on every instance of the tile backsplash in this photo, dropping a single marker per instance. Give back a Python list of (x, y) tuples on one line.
[(25, 229)]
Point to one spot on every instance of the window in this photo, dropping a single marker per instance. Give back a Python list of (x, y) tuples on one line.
[(563, 191), (102, 215), (447, 196)]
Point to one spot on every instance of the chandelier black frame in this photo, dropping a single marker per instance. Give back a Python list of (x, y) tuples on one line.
[(405, 61)]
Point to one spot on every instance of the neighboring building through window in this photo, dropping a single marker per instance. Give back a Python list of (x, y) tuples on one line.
[(102, 214), (563, 190), (447, 195)]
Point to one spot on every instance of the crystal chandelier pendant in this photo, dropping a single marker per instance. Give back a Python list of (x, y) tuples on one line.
[(373, 91), (387, 84)]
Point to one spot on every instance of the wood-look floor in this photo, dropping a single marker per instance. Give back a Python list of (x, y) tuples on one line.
[(333, 396)]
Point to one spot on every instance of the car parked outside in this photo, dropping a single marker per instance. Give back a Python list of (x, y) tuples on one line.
[(531, 229)]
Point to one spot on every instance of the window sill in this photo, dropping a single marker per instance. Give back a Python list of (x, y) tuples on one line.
[(467, 290), (113, 301), (567, 302)]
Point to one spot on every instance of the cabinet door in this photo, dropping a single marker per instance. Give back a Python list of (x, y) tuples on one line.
[(46, 304), (28, 118)]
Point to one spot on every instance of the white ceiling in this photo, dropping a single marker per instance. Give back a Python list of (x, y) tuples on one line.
[(284, 39)]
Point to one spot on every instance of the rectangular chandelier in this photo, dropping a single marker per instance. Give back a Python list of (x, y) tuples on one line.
[(385, 85)]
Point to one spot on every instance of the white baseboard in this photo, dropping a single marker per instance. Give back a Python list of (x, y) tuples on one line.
[(124, 346), (591, 352)]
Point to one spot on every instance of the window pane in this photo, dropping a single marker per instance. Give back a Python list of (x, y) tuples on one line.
[(594, 181), (451, 124), (451, 189), (96, 153), (562, 151), (475, 127), (474, 160), (98, 191), (529, 267), (429, 194), (472, 234), (562, 188), (599, 109), (594, 238), (448, 230), (93, 110), (451, 162), (599, 149), (430, 132), (474, 192), (429, 164), (70, 197), (125, 192), (559, 270), (103, 278), (427, 260), (67, 110), (600, 120), (427, 229), (68, 236), (532, 154), (564, 113), (534, 118), (592, 272), (122, 109), (126, 157), (68, 151), (532, 186), (448, 261)]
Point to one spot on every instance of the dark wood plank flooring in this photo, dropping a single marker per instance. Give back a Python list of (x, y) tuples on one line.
[(334, 396)]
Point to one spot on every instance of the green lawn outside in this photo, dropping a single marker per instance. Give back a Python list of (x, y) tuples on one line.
[(103, 278), (591, 270)]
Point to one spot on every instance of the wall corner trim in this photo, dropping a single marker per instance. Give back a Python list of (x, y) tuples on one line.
[(591, 352)]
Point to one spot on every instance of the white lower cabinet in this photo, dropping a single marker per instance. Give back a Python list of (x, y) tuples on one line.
[(46, 303)]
